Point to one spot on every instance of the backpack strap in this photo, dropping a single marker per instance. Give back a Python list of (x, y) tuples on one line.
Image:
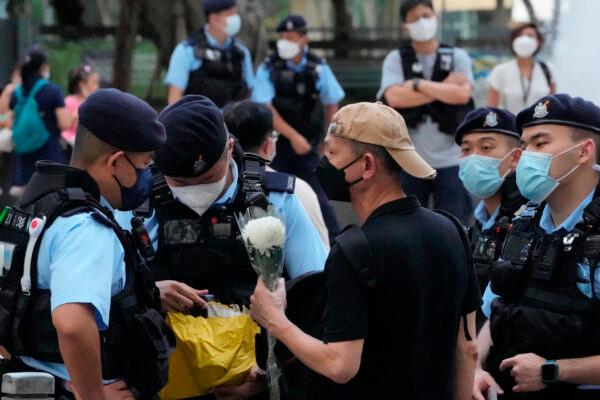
[(547, 73), (357, 250), (39, 85), (470, 262)]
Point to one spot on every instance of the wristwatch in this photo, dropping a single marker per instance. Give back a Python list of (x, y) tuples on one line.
[(549, 371), (415, 84)]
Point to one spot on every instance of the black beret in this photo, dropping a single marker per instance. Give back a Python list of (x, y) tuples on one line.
[(292, 23), (215, 6), (488, 119), (122, 120), (196, 137), (561, 109)]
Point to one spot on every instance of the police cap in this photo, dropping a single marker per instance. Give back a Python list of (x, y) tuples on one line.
[(122, 120), (561, 109), (215, 6), (488, 119), (292, 23), (196, 137)]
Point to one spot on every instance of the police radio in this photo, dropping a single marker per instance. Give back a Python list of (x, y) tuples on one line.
[(141, 239)]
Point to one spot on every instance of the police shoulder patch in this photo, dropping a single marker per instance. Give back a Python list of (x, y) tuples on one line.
[(279, 182)]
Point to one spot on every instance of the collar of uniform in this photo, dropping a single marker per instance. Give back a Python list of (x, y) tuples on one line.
[(568, 224), (213, 42), (481, 215), (405, 205), (232, 189), (104, 203), (300, 66)]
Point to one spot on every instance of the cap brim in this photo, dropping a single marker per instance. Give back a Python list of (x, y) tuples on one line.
[(412, 163)]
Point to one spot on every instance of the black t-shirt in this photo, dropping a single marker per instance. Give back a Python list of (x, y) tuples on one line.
[(410, 320)]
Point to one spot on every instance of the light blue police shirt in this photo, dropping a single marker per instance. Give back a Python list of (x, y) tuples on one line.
[(328, 86), (81, 261), (183, 61), (304, 250), (481, 215), (583, 268)]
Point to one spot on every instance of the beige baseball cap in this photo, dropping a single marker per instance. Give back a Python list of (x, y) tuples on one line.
[(378, 124)]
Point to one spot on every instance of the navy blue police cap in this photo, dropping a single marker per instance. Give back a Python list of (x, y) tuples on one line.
[(561, 109), (488, 119), (196, 137), (122, 120), (215, 6), (292, 23)]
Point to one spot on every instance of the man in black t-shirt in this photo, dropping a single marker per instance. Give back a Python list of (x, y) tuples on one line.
[(401, 292)]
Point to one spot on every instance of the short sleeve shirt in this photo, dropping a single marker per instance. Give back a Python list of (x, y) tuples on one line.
[(330, 90), (437, 148), (304, 249), (517, 93), (49, 99), (80, 261), (410, 335), (183, 61)]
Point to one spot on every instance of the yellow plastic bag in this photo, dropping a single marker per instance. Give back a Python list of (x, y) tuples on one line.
[(210, 352)]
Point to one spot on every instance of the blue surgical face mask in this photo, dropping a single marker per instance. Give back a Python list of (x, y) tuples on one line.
[(233, 25), (533, 177), (480, 174), (134, 196)]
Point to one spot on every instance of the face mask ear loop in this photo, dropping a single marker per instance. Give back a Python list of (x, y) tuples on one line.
[(502, 160)]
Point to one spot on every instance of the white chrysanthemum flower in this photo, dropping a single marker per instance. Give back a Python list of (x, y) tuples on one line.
[(265, 233)]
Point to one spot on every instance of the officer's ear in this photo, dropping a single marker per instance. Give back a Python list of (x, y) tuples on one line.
[(230, 146), (112, 160), (588, 151), (515, 157)]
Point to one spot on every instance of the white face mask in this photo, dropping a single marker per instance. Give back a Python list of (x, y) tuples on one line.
[(199, 197), (287, 49), (524, 46), (233, 25), (422, 30)]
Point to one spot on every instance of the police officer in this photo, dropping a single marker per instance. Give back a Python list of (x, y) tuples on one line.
[(490, 146), (212, 62), (430, 85), (204, 179), (544, 319), (89, 292), (299, 86)]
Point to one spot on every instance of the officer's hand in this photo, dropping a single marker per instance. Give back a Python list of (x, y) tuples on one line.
[(483, 382), (267, 306), (527, 371), (179, 297), (253, 384), (300, 145), (118, 391)]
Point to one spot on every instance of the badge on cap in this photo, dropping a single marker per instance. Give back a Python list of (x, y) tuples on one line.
[(199, 165), (491, 120), (541, 109), (289, 25)]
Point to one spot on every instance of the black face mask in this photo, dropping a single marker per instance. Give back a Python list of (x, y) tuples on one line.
[(333, 180)]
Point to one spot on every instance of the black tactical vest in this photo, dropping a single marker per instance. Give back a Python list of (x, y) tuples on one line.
[(447, 116), (207, 252), (486, 244), (297, 99), (220, 77), (541, 310), (137, 343)]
